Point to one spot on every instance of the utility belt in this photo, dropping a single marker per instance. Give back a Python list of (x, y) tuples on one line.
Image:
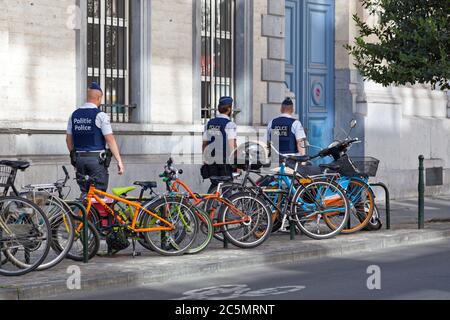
[(104, 157)]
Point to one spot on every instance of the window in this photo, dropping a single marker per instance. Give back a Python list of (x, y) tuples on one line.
[(217, 59), (107, 54)]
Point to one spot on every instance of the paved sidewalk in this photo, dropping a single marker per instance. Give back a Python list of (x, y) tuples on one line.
[(437, 209)]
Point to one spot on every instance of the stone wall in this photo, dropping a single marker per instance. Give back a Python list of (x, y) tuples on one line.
[(172, 49), (37, 54)]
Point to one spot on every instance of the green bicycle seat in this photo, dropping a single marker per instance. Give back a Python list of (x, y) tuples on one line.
[(122, 191)]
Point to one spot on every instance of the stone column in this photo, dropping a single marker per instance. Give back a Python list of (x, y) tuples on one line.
[(273, 68)]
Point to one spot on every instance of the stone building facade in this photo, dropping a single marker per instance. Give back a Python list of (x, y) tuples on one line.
[(278, 47)]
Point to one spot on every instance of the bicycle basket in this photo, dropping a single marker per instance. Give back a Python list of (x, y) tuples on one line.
[(367, 166), (6, 174)]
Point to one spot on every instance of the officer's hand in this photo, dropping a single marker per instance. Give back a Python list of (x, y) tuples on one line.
[(121, 168)]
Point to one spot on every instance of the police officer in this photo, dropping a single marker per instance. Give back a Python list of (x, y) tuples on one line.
[(287, 135), (219, 141), (286, 132), (89, 131)]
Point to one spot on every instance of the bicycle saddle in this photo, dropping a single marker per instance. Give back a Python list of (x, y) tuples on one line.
[(222, 179), (297, 158), (18, 165), (123, 191), (147, 184)]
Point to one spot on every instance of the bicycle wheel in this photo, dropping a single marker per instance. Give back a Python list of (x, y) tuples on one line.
[(62, 235), (312, 203), (281, 200), (76, 251), (212, 207), (25, 236), (362, 203), (375, 222), (247, 222), (205, 234), (179, 213)]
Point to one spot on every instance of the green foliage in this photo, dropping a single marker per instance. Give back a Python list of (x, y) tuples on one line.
[(412, 42)]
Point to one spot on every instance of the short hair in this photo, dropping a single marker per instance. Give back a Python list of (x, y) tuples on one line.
[(224, 109), (287, 107)]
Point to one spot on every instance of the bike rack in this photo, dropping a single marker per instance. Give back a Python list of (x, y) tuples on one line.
[(388, 203), (85, 229), (225, 242)]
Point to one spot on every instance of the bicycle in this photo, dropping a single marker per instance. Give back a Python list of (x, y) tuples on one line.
[(242, 219), (24, 228), (354, 178), (165, 217), (301, 201), (67, 241)]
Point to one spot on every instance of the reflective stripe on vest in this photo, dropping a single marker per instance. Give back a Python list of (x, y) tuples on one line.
[(87, 136), (282, 130)]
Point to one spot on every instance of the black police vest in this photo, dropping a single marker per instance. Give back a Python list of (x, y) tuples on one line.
[(87, 136), (282, 130), (217, 130)]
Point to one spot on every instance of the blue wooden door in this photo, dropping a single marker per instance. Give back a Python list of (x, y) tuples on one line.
[(310, 66)]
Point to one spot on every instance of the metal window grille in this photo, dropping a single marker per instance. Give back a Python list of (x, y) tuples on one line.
[(217, 59), (108, 54)]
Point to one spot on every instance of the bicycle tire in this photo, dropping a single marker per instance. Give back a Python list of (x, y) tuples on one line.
[(261, 229), (169, 246), (299, 216), (25, 268), (206, 228), (362, 209), (76, 254), (375, 223), (65, 219)]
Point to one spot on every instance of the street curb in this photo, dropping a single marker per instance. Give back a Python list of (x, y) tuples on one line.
[(129, 280)]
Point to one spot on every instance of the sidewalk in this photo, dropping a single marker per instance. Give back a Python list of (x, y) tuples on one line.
[(124, 271), (437, 209)]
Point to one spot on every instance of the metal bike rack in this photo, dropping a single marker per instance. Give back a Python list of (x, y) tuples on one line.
[(85, 229), (388, 203), (225, 242)]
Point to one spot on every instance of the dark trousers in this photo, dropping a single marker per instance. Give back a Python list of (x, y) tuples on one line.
[(91, 167), (219, 170)]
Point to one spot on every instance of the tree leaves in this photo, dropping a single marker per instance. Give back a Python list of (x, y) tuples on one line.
[(412, 43)]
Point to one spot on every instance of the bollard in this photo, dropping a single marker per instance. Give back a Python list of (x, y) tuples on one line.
[(1, 245), (225, 242), (292, 229), (421, 192)]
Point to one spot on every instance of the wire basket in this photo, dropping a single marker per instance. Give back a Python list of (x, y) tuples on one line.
[(5, 174), (367, 166)]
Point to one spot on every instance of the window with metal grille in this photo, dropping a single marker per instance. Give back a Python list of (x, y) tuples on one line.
[(218, 21), (107, 54)]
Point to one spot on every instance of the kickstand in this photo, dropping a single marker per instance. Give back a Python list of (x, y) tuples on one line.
[(135, 253)]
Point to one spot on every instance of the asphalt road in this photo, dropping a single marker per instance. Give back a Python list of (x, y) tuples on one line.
[(419, 272)]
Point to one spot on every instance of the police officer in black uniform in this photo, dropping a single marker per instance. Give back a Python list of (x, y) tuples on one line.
[(219, 141), (89, 132), (286, 133)]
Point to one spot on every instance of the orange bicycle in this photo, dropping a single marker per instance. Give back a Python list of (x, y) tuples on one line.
[(168, 225), (243, 219)]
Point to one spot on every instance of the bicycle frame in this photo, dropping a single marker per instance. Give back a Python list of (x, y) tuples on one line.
[(175, 187), (95, 194)]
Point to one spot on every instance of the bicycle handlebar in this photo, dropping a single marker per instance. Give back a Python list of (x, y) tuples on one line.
[(170, 172)]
